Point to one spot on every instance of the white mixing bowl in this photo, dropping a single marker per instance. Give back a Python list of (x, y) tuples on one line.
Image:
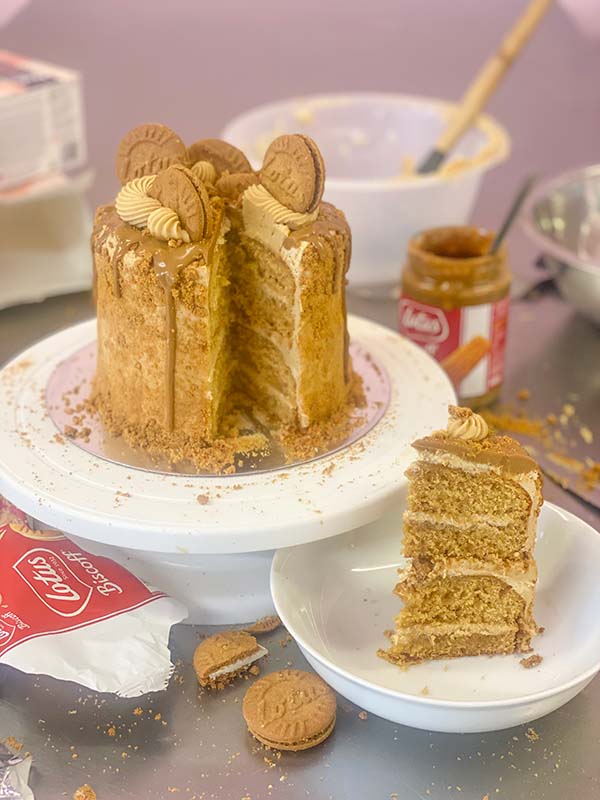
[(364, 138)]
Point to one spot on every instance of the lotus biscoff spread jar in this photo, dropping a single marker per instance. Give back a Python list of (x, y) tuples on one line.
[(454, 304)]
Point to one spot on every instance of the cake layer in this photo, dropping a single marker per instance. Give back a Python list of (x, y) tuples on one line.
[(463, 497), (476, 598), (502, 541), (414, 646)]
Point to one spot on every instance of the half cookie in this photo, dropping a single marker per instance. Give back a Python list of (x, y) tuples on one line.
[(219, 659)]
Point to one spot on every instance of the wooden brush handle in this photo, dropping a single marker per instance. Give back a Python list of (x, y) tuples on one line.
[(491, 74)]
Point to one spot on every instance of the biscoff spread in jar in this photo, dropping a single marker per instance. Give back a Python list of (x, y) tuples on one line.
[(454, 304)]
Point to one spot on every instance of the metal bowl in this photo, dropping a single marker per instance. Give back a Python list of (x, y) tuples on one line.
[(563, 217)]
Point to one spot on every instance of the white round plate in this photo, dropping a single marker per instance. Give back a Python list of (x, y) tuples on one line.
[(335, 598), (92, 498)]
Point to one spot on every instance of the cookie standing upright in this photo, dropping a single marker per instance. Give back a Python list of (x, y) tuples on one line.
[(294, 173), (225, 157), (148, 149), (176, 188)]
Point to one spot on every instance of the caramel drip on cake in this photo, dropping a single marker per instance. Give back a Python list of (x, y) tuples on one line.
[(167, 268), (114, 257)]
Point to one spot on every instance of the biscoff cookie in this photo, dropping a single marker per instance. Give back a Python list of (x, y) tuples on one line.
[(148, 149), (176, 188), (263, 625), (294, 173), (290, 710), (232, 184), (219, 659), (84, 792), (223, 156)]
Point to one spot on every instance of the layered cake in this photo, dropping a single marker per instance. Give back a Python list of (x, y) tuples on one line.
[(220, 295), (469, 533)]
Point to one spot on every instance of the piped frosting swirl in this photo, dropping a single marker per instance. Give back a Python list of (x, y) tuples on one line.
[(263, 200), (204, 171), (133, 204), (164, 223), (466, 425)]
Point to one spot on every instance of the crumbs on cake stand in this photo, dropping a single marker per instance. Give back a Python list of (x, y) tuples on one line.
[(531, 662)]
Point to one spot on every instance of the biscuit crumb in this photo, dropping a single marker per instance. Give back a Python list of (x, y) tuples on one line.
[(532, 735), (264, 625), (533, 661), (84, 792), (203, 499), (112, 731), (14, 744), (362, 715), (254, 670), (586, 434), (138, 711), (424, 691)]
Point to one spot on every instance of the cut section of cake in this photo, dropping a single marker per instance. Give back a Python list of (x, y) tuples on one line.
[(220, 296), (469, 534)]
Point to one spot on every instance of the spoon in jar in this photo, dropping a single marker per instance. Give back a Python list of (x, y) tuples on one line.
[(513, 212)]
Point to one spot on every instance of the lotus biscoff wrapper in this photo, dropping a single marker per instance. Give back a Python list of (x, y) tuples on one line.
[(80, 617)]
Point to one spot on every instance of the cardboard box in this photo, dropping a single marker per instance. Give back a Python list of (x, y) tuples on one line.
[(41, 120)]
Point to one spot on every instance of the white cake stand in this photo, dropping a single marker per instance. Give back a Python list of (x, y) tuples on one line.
[(213, 555)]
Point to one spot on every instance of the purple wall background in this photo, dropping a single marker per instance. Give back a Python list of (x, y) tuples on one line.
[(193, 65)]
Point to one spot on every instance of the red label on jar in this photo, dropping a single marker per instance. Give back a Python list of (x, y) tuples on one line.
[(48, 585), (469, 342)]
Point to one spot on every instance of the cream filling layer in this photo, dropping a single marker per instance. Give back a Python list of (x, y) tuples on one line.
[(409, 634), (239, 664), (449, 522), (522, 582)]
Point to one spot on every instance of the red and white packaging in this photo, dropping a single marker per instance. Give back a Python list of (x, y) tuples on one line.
[(79, 617), (469, 342)]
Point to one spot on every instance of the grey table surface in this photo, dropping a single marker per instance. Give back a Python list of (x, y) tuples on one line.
[(187, 745)]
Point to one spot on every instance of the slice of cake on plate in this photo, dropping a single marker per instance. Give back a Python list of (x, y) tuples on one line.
[(469, 535)]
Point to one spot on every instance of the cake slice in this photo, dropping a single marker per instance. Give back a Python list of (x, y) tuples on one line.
[(469, 534)]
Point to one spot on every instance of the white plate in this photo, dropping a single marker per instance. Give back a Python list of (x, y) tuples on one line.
[(335, 598), (116, 505)]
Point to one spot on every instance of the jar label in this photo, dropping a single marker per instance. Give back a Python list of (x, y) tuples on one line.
[(468, 342)]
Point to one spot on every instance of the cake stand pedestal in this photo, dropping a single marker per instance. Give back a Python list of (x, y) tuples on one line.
[(209, 540)]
